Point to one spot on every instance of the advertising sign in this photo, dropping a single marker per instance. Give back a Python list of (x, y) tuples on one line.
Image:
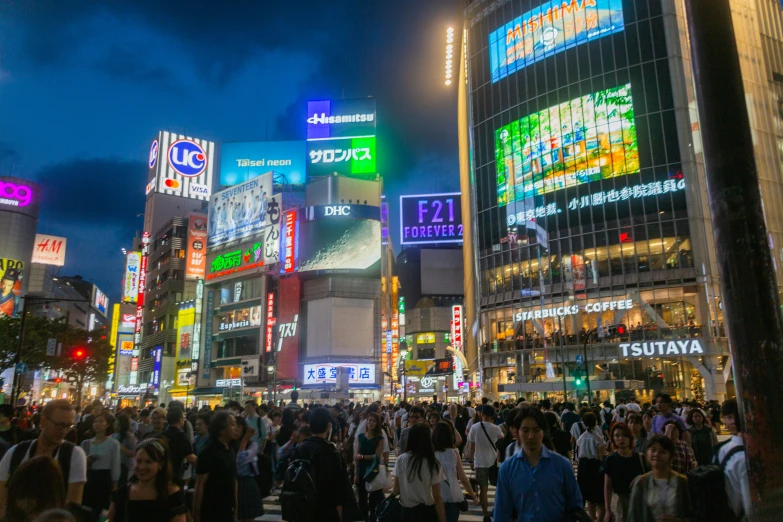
[(431, 218), (251, 366), (270, 320), (209, 321), (348, 156), (157, 366), (239, 212), (456, 326), (241, 318), (327, 373), (19, 195), (241, 162), (290, 243), (274, 211), (49, 250), (126, 347), (186, 317), (228, 263), (425, 338), (11, 275), (566, 309), (586, 139), (662, 348), (127, 321), (145, 242), (99, 300), (328, 119), (549, 29), (341, 244), (130, 279), (289, 293), (197, 247), (432, 367), (342, 211), (181, 166)]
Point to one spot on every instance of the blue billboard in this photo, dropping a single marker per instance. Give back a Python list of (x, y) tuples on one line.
[(549, 29), (243, 161)]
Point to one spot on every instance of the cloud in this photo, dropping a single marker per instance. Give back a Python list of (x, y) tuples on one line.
[(125, 64)]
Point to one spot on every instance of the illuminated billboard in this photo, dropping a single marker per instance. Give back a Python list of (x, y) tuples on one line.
[(19, 195), (241, 162), (239, 212), (99, 300), (339, 244), (586, 139), (329, 119), (549, 29), (430, 218), (348, 156), (228, 263), (49, 250), (186, 317), (130, 280), (241, 318), (196, 260), (327, 373), (181, 166)]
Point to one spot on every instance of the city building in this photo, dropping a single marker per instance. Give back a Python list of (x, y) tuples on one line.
[(583, 178)]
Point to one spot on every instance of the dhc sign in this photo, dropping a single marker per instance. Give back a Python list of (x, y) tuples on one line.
[(662, 348)]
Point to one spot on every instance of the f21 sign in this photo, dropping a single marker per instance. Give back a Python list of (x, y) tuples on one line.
[(430, 218)]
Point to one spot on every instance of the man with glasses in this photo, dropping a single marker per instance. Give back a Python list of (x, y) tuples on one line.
[(56, 422), (415, 416)]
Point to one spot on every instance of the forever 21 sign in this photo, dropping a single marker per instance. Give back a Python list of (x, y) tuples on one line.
[(431, 218)]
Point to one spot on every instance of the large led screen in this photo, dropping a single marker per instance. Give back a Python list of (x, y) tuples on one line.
[(549, 29), (241, 162), (586, 139), (239, 212), (339, 244)]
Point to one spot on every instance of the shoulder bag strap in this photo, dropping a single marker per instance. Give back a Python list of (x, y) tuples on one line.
[(487, 435)]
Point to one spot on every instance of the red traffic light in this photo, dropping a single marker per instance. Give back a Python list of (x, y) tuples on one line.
[(621, 329), (79, 353)]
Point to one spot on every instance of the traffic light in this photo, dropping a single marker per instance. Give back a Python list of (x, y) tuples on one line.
[(578, 378), (78, 353), (617, 330)]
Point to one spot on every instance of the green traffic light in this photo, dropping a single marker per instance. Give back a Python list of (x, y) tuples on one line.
[(579, 382)]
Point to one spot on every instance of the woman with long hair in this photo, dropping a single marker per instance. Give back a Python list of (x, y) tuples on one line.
[(417, 477), (453, 472), (103, 466), (638, 432), (151, 495), (368, 456), (461, 423), (36, 486), (286, 428), (620, 468), (703, 438), (592, 448), (249, 505), (662, 494), (127, 441)]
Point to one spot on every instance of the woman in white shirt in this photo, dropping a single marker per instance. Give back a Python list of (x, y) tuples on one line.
[(592, 449), (453, 472), (417, 477)]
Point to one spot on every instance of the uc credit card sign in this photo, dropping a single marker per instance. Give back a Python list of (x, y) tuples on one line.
[(431, 218), (243, 161), (549, 29)]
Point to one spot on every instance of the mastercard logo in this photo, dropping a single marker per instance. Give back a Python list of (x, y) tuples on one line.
[(172, 183)]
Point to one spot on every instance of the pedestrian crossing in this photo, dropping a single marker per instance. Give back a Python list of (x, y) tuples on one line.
[(273, 512)]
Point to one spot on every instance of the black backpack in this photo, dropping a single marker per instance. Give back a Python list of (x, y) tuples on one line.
[(299, 496), (707, 489), (63, 457)]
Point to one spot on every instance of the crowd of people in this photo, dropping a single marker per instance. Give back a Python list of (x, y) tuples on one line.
[(600, 462)]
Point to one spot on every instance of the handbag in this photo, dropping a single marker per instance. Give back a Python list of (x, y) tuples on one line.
[(389, 510), (493, 470), (372, 471), (463, 504), (382, 481)]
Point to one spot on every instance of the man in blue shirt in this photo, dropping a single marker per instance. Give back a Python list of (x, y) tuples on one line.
[(538, 484), (664, 404)]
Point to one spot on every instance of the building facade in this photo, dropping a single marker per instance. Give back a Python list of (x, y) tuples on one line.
[(581, 154)]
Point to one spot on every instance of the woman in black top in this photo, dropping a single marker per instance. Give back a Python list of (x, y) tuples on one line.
[(286, 428), (461, 423), (560, 439), (620, 468), (151, 495)]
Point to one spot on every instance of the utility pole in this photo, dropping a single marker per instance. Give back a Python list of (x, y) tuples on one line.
[(751, 306)]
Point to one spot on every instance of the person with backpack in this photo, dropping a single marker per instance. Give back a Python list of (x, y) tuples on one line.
[(730, 456), (619, 469), (56, 421), (417, 478), (316, 485), (662, 494)]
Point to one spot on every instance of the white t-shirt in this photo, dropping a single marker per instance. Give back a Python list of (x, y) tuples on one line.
[(589, 445), (632, 406), (736, 472), (485, 455), (450, 488), (78, 472), (419, 490), (399, 414)]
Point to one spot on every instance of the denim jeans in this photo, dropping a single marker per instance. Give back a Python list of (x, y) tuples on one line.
[(452, 511)]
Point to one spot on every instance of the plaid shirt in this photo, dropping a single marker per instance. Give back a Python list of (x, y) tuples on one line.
[(683, 458)]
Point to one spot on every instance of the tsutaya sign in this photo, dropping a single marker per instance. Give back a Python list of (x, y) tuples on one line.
[(662, 348), (562, 311)]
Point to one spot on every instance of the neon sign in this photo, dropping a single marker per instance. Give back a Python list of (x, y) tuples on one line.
[(15, 195)]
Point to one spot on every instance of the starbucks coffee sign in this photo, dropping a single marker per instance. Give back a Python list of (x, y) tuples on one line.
[(662, 348)]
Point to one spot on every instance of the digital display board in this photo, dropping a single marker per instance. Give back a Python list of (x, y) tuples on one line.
[(186, 317), (238, 212), (327, 373), (586, 139), (339, 244), (348, 156), (99, 300), (431, 218), (329, 119), (241, 162), (549, 29)]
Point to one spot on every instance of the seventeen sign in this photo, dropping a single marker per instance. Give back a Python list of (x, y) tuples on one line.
[(49, 250), (430, 218)]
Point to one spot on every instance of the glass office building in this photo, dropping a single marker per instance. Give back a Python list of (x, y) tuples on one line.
[(588, 199)]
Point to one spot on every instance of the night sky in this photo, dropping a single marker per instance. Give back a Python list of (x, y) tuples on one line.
[(85, 86)]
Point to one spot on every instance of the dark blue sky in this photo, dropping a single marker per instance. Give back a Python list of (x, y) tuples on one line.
[(85, 85)]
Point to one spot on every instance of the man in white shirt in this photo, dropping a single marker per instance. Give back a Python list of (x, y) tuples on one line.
[(633, 405), (731, 457), (483, 437), (56, 421)]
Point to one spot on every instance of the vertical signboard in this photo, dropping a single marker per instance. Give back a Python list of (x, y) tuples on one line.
[(157, 366), (209, 322), (456, 326), (270, 320), (130, 280), (274, 210), (288, 327), (11, 274), (145, 249), (197, 247), (197, 326), (185, 319), (113, 356), (291, 231)]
